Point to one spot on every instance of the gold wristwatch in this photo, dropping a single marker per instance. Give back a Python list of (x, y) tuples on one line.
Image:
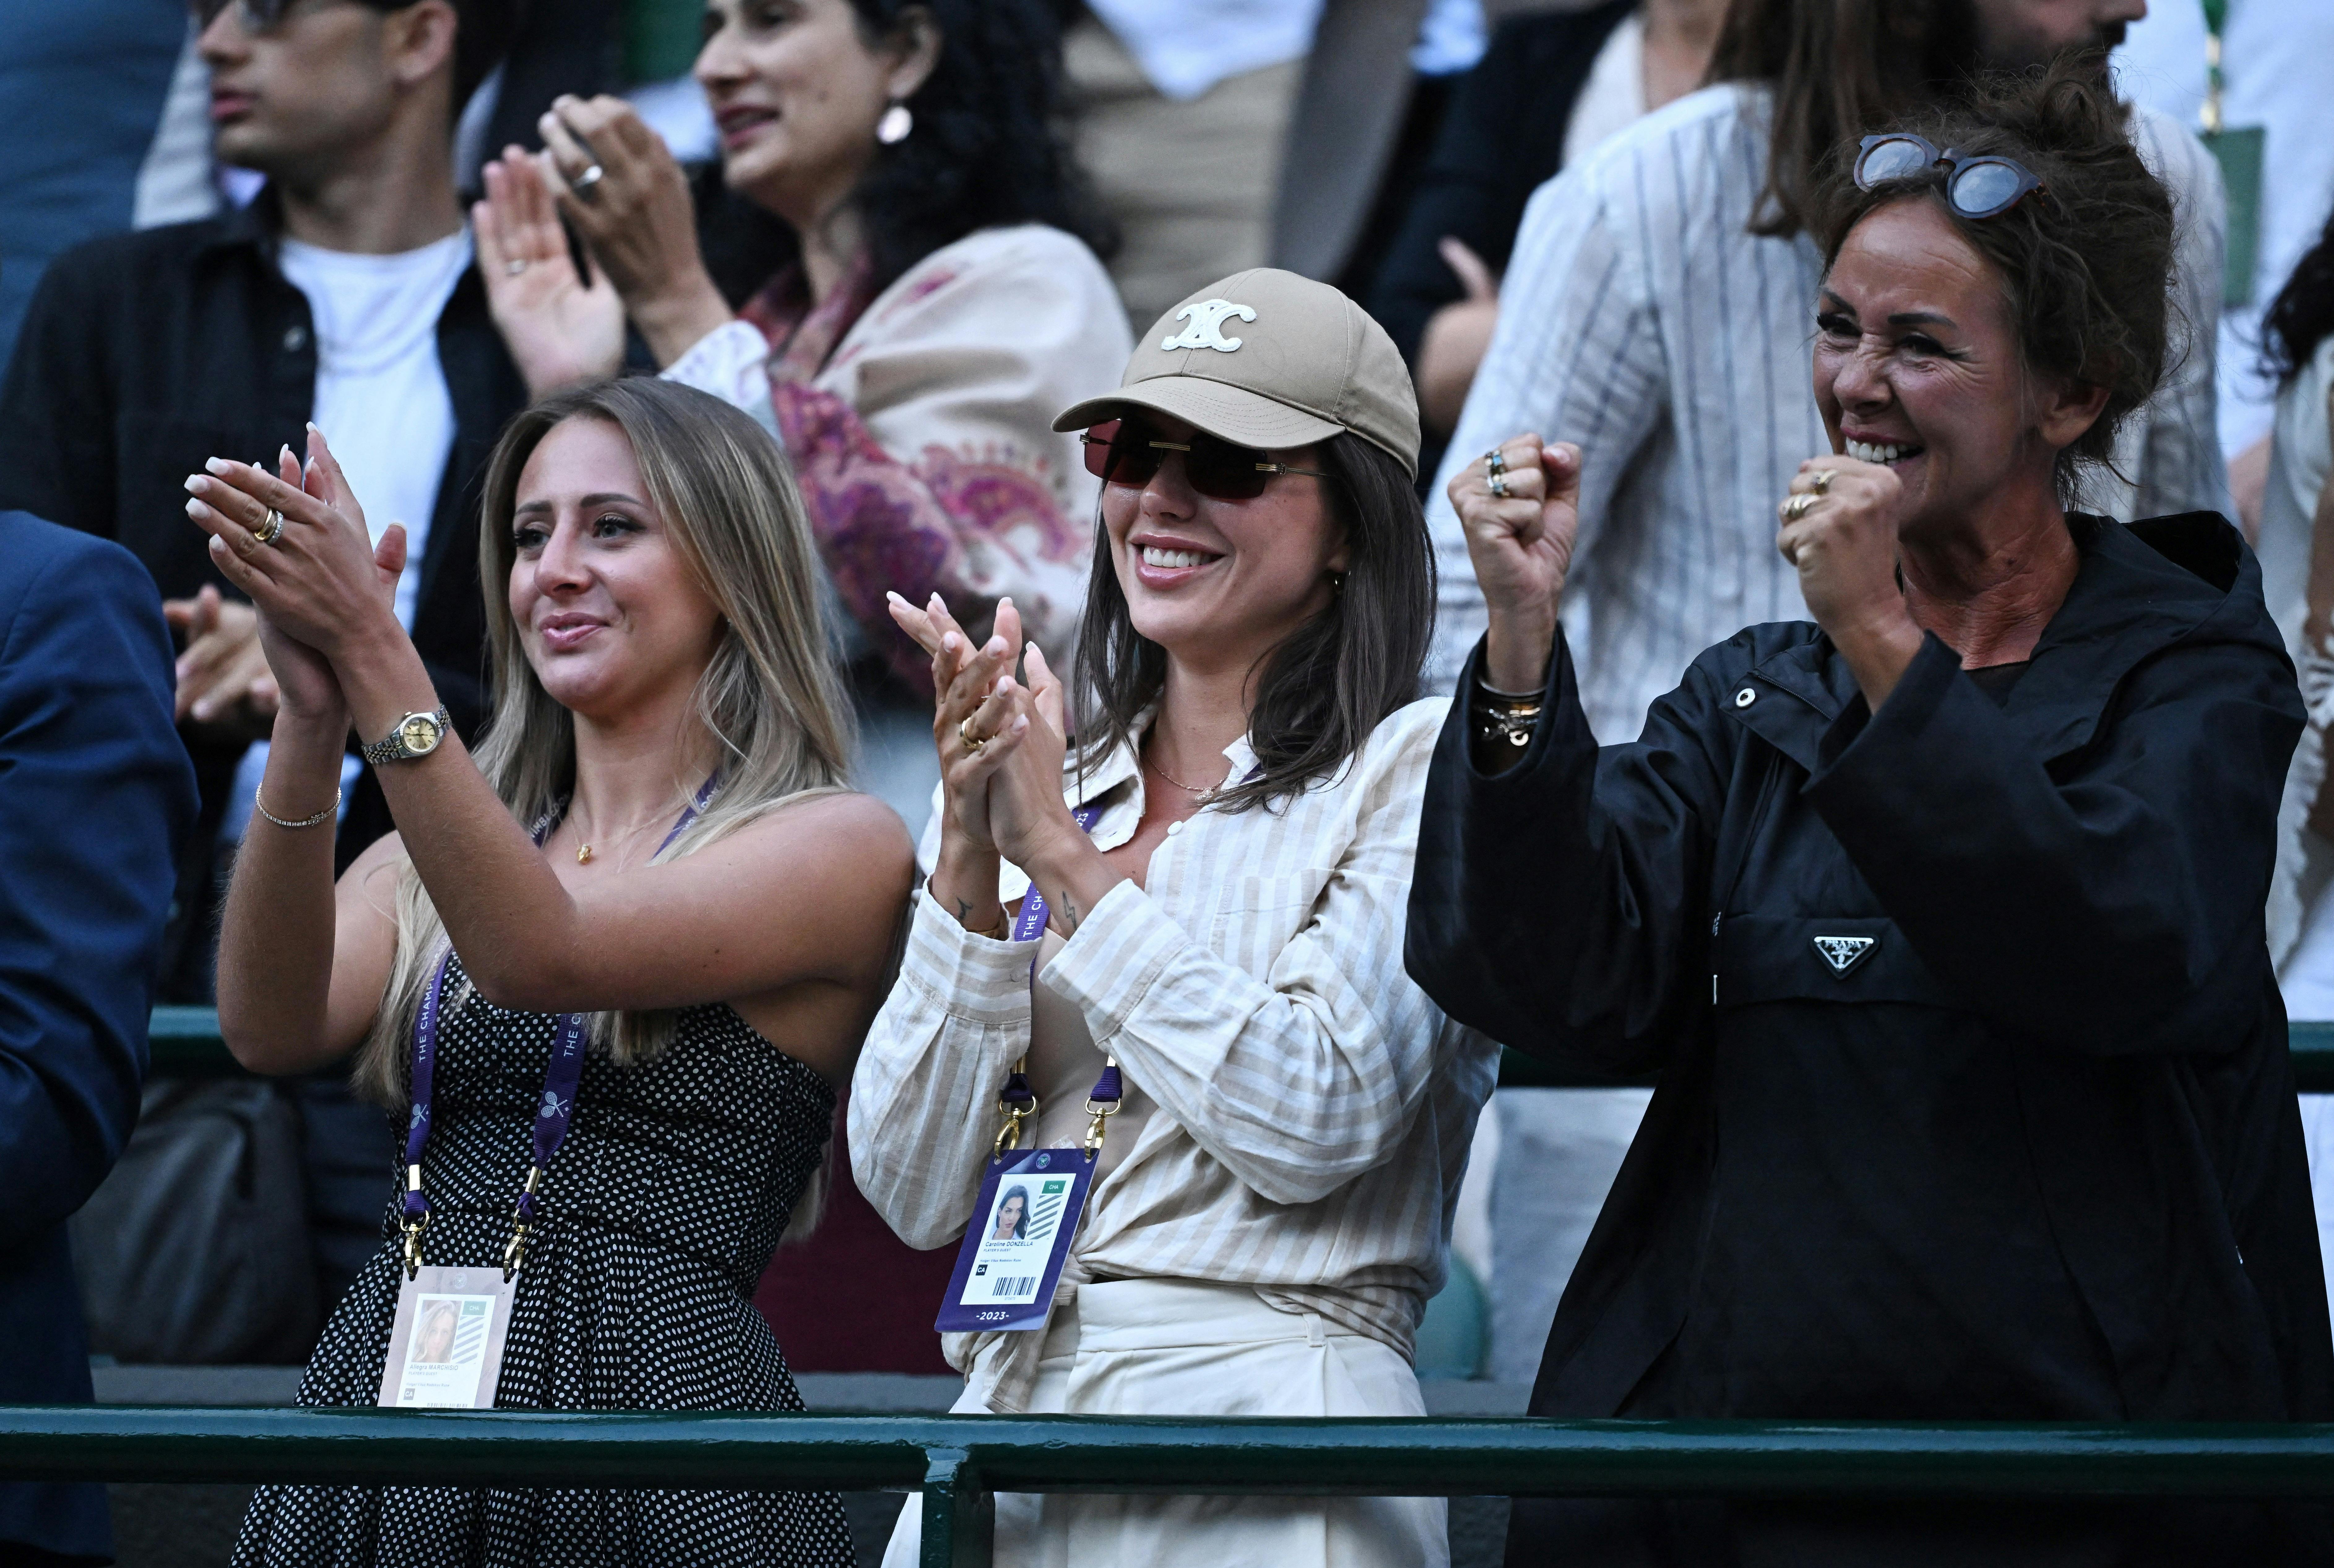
[(416, 735)]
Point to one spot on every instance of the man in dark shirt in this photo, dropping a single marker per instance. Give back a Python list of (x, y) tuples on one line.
[(144, 354), (345, 293)]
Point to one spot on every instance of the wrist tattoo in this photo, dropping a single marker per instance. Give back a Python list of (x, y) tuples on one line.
[(1066, 914)]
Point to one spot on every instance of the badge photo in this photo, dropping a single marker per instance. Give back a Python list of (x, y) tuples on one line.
[(446, 1343), (1011, 1260)]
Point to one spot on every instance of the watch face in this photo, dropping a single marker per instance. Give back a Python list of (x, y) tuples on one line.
[(420, 733)]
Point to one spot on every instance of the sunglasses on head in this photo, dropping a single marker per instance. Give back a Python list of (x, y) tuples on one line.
[(1128, 452), (1974, 186)]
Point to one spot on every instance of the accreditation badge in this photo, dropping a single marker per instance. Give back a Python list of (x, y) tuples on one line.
[(446, 1345), (1011, 1260)]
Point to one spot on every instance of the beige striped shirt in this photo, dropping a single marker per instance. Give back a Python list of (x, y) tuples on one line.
[(1308, 1110)]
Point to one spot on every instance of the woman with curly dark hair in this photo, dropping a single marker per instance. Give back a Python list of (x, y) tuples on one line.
[(1939, 913), (944, 301)]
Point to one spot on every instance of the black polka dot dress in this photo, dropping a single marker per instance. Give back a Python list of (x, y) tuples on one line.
[(675, 1181)]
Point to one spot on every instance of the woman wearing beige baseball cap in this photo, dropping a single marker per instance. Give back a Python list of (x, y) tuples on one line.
[(1180, 937)]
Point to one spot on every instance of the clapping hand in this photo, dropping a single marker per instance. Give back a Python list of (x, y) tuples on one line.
[(1002, 743), (621, 189), (223, 679), (320, 582), (559, 329)]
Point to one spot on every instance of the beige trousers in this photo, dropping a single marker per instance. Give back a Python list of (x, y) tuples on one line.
[(1191, 184), (1185, 1348)]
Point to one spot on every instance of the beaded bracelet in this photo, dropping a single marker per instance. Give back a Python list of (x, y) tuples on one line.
[(318, 820)]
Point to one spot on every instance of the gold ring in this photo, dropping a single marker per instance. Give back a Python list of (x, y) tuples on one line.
[(271, 527), (1820, 480), (972, 743), (1499, 484), (1796, 506), (1495, 461)]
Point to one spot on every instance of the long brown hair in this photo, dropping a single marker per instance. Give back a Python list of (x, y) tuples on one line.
[(769, 698), (1838, 69), (1327, 684)]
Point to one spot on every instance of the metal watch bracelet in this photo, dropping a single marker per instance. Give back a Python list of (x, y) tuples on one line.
[(417, 734)]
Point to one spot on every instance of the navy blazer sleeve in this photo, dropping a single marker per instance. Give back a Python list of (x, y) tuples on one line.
[(95, 792)]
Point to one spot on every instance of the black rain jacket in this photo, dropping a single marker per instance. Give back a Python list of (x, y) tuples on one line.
[(1974, 1101)]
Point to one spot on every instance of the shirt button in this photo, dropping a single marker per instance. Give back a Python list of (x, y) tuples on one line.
[(294, 339), (1745, 698), (1174, 828)]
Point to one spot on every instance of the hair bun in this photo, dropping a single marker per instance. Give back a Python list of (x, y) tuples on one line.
[(2088, 262)]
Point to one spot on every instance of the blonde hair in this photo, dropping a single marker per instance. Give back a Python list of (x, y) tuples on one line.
[(770, 697)]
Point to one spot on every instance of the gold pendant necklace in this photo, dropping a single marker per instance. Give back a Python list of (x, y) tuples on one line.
[(583, 851)]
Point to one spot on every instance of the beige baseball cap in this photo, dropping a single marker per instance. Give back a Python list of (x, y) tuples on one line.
[(1266, 358)]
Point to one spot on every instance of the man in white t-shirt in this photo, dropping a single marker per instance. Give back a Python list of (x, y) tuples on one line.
[(343, 294)]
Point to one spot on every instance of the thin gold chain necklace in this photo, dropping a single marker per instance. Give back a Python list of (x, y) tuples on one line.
[(1152, 764)]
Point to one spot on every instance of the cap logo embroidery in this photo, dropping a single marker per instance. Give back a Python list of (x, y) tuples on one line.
[(1207, 329), (1843, 954)]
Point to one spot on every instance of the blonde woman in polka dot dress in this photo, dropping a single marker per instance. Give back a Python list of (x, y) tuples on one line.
[(659, 660)]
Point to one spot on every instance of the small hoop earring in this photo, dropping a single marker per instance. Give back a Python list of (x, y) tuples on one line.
[(893, 128)]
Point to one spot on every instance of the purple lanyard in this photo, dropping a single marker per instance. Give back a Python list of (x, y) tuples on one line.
[(1016, 1099), (552, 1114)]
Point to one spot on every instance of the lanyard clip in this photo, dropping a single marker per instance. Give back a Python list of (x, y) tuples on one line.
[(1102, 1105), (1018, 1103), (522, 1221), (417, 1220), (1102, 1110), (1009, 1136)]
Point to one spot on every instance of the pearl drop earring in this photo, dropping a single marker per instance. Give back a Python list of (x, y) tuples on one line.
[(893, 128)]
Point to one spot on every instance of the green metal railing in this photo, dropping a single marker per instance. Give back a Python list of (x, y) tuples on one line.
[(958, 1462), (186, 1044)]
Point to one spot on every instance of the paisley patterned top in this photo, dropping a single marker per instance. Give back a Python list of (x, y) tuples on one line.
[(920, 423)]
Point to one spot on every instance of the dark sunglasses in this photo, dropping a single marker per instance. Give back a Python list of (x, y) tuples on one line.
[(265, 15), (1128, 452), (1975, 187)]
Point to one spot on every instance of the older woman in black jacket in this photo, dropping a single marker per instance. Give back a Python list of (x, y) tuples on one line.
[(1940, 919)]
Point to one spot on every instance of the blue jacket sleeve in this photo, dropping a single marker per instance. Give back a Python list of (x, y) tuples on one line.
[(95, 791)]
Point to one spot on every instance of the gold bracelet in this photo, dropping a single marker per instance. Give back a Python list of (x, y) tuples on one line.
[(318, 820)]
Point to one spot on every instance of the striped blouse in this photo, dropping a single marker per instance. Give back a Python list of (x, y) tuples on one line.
[(1310, 1110), (1641, 319)]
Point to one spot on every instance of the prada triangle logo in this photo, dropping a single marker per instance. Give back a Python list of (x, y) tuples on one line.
[(1843, 954)]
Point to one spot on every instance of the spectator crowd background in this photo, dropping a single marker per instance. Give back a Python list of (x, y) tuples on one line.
[(392, 262)]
